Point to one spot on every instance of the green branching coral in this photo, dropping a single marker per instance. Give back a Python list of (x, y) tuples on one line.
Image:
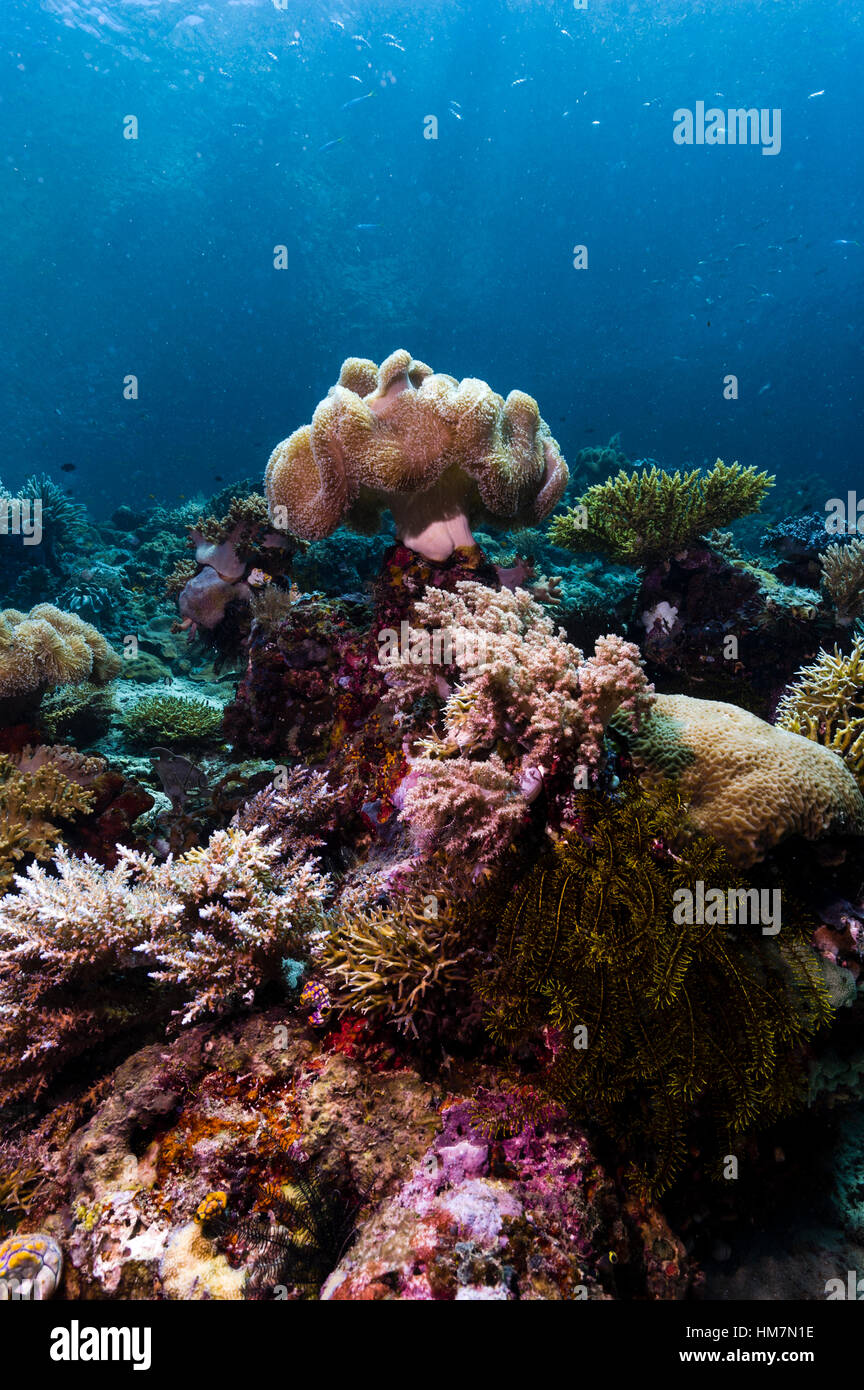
[(650, 1018), (395, 962), (826, 704), (170, 719), (650, 514), (30, 803)]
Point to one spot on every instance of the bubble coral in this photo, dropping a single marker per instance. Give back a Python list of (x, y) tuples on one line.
[(747, 783), (433, 450)]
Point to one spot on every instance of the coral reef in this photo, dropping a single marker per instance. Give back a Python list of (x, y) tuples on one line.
[(651, 514), (32, 799), (843, 580), (826, 704), (643, 1014), (745, 782), (172, 719), (89, 951), (47, 647), (523, 709), (433, 450)]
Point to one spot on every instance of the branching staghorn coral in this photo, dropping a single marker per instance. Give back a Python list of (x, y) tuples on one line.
[(826, 704), (86, 951), (433, 450), (527, 708), (295, 813), (47, 647), (651, 514), (395, 962), (239, 908), (647, 1016), (32, 797), (843, 580)]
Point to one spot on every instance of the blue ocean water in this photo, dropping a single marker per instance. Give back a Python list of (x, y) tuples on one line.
[(430, 172)]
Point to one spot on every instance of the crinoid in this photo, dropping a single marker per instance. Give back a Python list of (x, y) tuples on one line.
[(649, 1020), (300, 1228)]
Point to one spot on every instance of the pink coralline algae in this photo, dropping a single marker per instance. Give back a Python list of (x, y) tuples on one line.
[(529, 1217)]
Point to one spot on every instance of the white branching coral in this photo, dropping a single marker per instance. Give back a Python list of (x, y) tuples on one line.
[(240, 908), (85, 950)]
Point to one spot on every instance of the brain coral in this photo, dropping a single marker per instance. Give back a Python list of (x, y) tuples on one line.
[(47, 647), (433, 450), (749, 784)]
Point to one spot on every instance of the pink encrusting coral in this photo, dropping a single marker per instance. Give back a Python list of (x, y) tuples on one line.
[(520, 708)]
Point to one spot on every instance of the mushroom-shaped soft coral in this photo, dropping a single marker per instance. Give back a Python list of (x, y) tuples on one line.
[(436, 452)]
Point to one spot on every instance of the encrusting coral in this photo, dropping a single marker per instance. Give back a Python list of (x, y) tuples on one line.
[(745, 782), (843, 580), (433, 450), (528, 709), (86, 952), (826, 704), (650, 514), (645, 1014), (47, 647)]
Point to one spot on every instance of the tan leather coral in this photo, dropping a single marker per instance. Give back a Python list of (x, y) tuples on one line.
[(748, 784), (437, 452)]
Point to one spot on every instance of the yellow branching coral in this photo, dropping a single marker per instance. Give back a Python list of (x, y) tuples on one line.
[(650, 514), (433, 450), (31, 800), (47, 647), (826, 704), (843, 580), (386, 961), (747, 783)]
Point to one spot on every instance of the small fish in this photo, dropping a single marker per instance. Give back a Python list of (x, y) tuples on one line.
[(358, 38), (217, 478), (355, 78), (519, 81), (566, 33), (330, 144), (67, 467), (455, 113), (355, 101), (391, 43), (763, 389), (820, 93), (338, 23), (366, 226), (842, 241), (274, 56)]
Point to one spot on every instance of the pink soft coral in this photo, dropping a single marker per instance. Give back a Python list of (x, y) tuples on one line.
[(520, 704)]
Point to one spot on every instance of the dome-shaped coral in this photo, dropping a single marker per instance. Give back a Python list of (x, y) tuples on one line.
[(433, 450), (48, 647), (748, 784)]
